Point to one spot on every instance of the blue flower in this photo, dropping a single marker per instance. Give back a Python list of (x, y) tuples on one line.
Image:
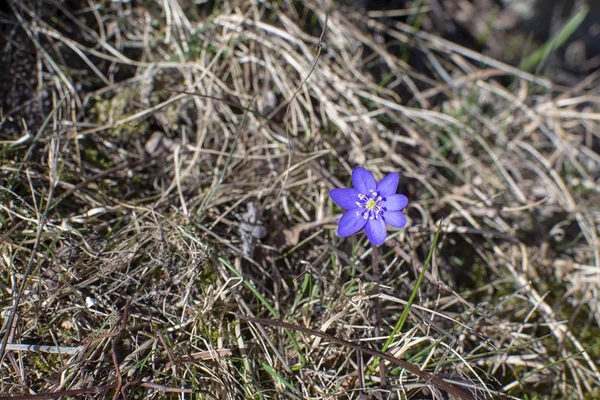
[(370, 205)]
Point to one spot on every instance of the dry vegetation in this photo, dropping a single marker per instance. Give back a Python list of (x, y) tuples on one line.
[(165, 170)]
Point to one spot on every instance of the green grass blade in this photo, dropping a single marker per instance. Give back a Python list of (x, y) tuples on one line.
[(278, 377), (400, 324), (538, 58), (274, 313)]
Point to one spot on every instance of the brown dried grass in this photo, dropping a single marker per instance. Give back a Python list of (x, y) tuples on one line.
[(176, 172)]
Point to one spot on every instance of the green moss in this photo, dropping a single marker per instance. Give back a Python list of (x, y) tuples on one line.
[(44, 362), (594, 394), (93, 156), (115, 109), (482, 37)]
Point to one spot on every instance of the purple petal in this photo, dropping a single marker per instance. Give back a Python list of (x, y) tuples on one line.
[(375, 230), (363, 180), (388, 185), (350, 223), (395, 202), (344, 197), (395, 218)]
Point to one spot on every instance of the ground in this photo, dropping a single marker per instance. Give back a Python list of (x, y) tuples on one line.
[(166, 226)]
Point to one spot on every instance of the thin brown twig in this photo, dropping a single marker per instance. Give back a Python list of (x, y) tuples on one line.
[(104, 388), (62, 393), (115, 335), (413, 369), (289, 106)]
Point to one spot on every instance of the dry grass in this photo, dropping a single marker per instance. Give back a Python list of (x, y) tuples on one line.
[(165, 171)]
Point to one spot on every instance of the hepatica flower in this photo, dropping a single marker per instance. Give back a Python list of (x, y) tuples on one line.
[(370, 205)]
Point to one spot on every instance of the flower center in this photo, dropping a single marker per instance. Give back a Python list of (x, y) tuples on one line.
[(370, 205)]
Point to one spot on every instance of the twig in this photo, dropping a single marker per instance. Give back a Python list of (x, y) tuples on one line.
[(105, 388), (415, 370), (289, 105), (44, 348), (62, 393)]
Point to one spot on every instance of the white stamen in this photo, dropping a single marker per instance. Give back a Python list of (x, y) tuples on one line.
[(369, 205)]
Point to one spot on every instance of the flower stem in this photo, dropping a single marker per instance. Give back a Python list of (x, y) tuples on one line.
[(377, 308), (400, 323)]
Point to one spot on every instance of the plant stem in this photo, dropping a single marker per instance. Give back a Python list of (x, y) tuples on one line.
[(400, 323), (377, 313)]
